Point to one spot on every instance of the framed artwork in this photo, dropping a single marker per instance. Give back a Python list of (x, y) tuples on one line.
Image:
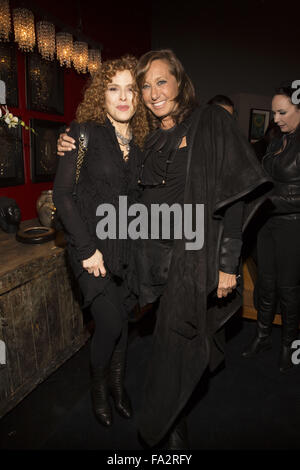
[(44, 85), (259, 121), (11, 156), (44, 158), (9, 73)]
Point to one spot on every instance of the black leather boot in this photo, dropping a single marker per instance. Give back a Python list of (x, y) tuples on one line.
[(265, 316), (100, 395), (289, 298), (116, 384), (178, 437)]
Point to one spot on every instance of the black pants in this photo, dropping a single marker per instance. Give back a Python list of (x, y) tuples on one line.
[(279, 276), (111, 324), (278, 251)]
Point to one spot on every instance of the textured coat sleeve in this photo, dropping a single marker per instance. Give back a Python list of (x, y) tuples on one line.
[(64, 202)]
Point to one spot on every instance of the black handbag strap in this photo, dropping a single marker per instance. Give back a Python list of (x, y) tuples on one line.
[(82, 147)]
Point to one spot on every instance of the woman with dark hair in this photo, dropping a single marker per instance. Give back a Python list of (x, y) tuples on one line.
[(193, 157), (116, 123), (196, 161), (278, 242)]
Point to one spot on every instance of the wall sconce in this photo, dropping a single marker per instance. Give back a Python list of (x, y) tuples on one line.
[(80, 56), (5, 21), (94, 62), (24, 29), (64, 48), (46, 39)]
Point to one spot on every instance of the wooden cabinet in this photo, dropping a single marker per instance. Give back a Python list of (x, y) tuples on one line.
[(41, 323)]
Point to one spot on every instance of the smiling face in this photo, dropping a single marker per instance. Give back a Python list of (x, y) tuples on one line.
[(286, 114), (159, 90), (120, 100)]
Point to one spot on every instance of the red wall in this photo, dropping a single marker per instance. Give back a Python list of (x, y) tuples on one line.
[(120, 29)]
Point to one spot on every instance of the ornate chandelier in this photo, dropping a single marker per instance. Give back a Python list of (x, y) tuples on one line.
[(94, 62), (64, 48), (46, 39), (24, 29), (5, 21), (80, 56)]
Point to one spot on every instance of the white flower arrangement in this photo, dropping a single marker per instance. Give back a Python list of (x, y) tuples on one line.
[(11, 120)]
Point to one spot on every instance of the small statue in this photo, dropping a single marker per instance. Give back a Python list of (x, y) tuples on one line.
[(10, 215)]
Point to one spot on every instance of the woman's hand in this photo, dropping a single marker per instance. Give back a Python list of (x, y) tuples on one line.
[(95, 264), (65, 143), (227, 282)]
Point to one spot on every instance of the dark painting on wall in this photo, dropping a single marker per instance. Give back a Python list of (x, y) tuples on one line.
[(259, 121), (44, 158), (11, 156), (44, 85), (8, 73)]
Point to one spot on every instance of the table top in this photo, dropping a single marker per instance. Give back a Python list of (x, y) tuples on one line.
[(14, 254)]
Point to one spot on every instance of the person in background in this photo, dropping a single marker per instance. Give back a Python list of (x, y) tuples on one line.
[(278, 242), (224, 101), (116, 123)]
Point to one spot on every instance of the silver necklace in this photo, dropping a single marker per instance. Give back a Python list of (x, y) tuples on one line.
[(125, 141)]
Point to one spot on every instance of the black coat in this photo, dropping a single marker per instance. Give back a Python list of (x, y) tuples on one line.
[(222, 169), (104, 176)]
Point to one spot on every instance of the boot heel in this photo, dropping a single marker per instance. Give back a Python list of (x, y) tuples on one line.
[(100, 396), (256, 346), (285, 362)]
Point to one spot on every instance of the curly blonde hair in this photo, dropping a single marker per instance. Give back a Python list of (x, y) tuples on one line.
[(92, 107)]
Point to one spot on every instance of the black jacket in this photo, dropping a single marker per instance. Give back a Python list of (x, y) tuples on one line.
[(284, 168), (222, 169), (104, 176)]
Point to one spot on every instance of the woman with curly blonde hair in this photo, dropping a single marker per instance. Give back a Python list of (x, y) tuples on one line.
[(115, 121)]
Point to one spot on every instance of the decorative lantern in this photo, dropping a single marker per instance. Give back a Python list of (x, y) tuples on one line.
[(64, 48), (5, 28), (24, 29), (94, 62), (46, 39), (80, 56)]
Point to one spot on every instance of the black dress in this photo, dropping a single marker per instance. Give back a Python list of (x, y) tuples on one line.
[(104, 176), (163, 177), (221, 170)]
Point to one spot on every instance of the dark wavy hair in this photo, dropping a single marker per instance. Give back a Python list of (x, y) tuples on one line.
[(186, 98), (92, 107), (286, 89)]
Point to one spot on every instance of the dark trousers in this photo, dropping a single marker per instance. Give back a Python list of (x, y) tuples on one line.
[(278, 251), (111, 324)]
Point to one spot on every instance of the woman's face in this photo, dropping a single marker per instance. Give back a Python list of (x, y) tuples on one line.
[(120, 101), (160, 88), (286, 114)]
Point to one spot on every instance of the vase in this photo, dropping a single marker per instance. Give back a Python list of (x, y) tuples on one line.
[(45, 208)]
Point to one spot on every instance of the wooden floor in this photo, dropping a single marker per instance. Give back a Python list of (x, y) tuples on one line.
[(250, 276)]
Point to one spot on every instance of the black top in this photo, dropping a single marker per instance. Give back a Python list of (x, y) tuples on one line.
[(284, 167), (104, 176), (163, 177)]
